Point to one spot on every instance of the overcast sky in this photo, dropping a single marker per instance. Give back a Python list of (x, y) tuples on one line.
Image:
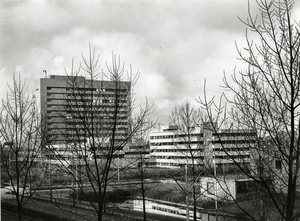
[(174, 45)]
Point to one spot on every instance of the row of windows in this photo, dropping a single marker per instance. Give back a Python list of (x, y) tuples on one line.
[(76, 94), (236, 149), (87, 116), (233, 157), (237, 141), (100, 124), (177, 157), (82, 124), (165, 209), (241, 137), (97, 121), (96, 110), (223, 136), (241, 144), (137, 153), (103, 135), (76, 111), (96, 131), (234, 134), (166, 164), (78, 115), (65, 131), (79, 97), (240, 141), (84, 105), (86, 100), (174, 136), (175, 150), (82, 137), (175, 143), (98, 89), (83, 130), (163, 164), (119, 117)]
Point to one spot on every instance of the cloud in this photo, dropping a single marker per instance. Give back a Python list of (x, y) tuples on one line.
[(174, 45)]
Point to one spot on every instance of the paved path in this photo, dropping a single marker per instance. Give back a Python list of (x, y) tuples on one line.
[(82, 214)]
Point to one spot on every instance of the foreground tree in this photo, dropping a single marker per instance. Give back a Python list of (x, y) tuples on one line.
[(141, 147), (97, 125), (267, 101), (20, 130), (185, 118)]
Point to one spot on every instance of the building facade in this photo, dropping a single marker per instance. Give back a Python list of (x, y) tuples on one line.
[(74, 106), (230, 148), (170, 148)]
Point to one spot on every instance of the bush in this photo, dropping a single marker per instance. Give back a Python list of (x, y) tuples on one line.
[(115, 196)]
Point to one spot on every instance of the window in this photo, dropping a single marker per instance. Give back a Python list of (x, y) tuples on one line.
[(210, 188), (278, 164)]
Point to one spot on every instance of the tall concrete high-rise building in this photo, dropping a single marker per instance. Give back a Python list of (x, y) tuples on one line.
[(75, 107)]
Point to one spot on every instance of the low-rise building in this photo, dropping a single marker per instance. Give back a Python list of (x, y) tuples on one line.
[(169, 148), (136, 154), (224, 188), (220, 151)]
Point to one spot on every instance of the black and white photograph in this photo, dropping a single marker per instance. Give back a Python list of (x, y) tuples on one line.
[(153, 110)]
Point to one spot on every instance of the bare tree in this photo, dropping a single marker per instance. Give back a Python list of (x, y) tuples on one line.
[(143, 153), (20, 130), (266, 101), (97, 119), (185, 118)]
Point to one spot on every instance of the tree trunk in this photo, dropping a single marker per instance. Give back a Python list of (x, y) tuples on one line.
[(195, 203), (100, 211), (19, 212), (144, 203)]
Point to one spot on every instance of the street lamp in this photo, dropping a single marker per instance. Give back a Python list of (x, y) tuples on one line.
[(118, 166), (50, 184), (215, 175), (9, 144), (187, 194)]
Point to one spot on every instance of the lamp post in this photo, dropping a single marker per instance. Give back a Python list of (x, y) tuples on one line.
[(187, 194), (29, 183), (76, 179), (50, 185), (9, 166), (215, 175), (73, 179), (118, 167)]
